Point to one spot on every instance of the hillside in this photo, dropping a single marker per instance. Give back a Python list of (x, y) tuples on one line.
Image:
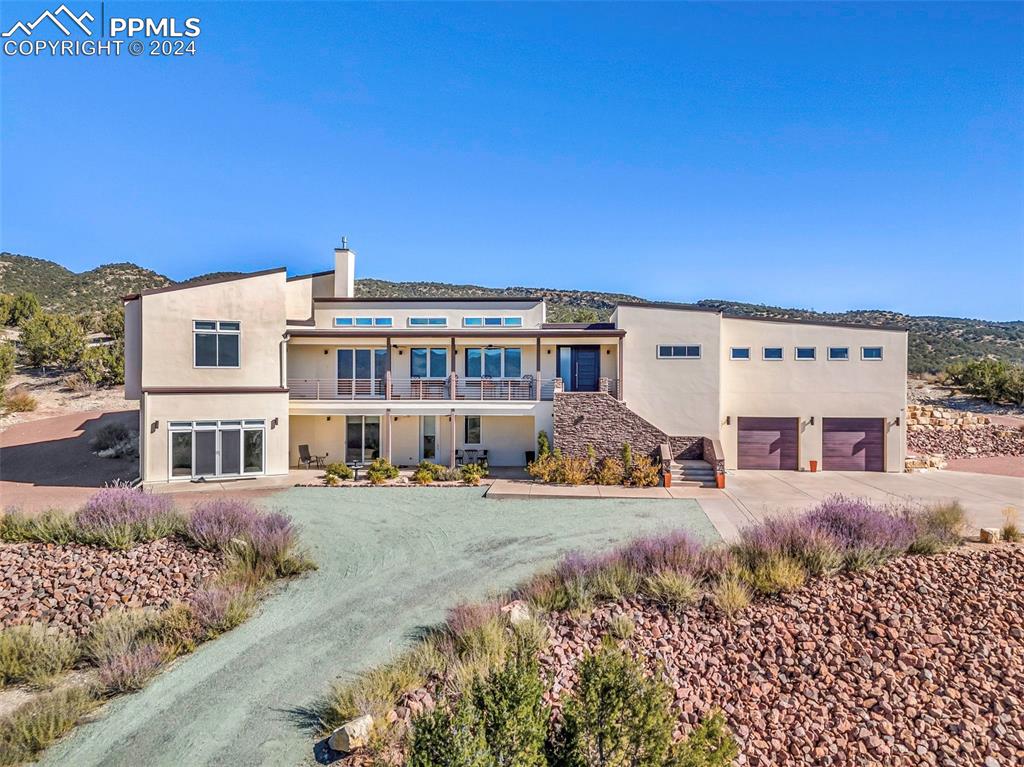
[(934, 341)]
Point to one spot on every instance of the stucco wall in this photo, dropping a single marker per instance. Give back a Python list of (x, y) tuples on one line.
[(258, 303), (133, 349), (161, 408), (821, 388), (679, 396), (531, 312)]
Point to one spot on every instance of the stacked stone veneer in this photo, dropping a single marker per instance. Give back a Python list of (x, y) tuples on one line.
[(928, 418), (598, 420)]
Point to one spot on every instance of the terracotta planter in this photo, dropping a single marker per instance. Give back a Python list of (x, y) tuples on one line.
[(666, 478), (720, 480), (814, 465)]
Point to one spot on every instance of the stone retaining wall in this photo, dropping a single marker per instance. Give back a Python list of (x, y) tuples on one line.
[(598, 420), (929, 418)]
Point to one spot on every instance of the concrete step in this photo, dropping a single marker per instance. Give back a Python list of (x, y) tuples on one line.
[(691, 464), (694, 474), (692, 483)]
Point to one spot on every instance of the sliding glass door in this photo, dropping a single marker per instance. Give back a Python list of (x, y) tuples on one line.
[(362, 438), (361, 372), (216, 448)]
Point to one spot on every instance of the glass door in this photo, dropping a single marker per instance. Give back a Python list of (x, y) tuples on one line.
[(579, 367), (362, 438), (361, 372), (216, 448), (428, 438)]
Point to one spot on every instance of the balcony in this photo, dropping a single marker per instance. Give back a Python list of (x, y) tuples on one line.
[(453, 387)]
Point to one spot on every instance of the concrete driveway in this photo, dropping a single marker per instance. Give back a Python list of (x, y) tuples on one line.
[(750, 496), (391, 561)]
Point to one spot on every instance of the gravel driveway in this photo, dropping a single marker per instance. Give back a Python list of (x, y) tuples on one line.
[(391, 561)]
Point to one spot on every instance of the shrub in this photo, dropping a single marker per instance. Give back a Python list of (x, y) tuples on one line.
[(730, 595), (339, 471), (627, 457), (1010, 531), (47, 527), (132, 669), (449, 737), (52, 340), (613, 579), (644, 472), (422, 476), (573, 471), (177, 629), (709, 745), (617, 717), (331, 480), (672, 550), (7, 359), (621, 627), (214, 524), (376, 691), (18, 400), (512, 714), (221, 608), (609, 472), (31, 655), (103, 364), (775, 575), (671, 589), (991, 379), (110, 435), (37, 724), (23, 307), (120, 516), (472, 473), (866, 534), (796, 538), (937, 527), (376, 477), (544, 469), (118, 634), (382, 466), (543, 445)]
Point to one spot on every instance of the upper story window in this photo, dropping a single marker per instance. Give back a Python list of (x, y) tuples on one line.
[(216, 343), (871, 353), (494, 363), (434, 322), (362, 322), (492, 322), (839, 352), (806, 352), (772, 353), (679, 352), (739, 353), (429, 363)]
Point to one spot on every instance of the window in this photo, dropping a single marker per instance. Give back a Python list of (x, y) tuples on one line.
[(216, 448), (435, 322), (839, 352), (494, 363), (216, 343), (362, 322), (679, 352), (871, 353), (772, 353), (429, 363), (739, 353), (472, 430), (806, 352), (492, 322)]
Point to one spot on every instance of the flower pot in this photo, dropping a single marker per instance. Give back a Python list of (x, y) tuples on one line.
[(814, 465), (720, 480), (666, 478)]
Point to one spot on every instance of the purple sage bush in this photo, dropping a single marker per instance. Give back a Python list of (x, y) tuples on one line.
[(215, 523), (867, 535), (129, 671), (121, 516), (220, 608)]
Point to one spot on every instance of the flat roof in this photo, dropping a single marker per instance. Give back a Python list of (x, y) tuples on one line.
[(201, 283), (426, 300), (456, 333), (735, 316)]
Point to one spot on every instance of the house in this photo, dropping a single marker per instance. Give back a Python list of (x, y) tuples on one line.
[(233, 375)]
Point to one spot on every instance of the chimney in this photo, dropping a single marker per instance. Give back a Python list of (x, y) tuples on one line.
[(344, 271)]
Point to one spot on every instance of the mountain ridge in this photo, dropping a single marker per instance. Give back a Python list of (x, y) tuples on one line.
[(934, 341)]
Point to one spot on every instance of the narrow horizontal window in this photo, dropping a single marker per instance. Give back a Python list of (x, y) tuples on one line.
[(364, 322), (679, 352), (513, 322), (417, 322), (739, 353), (343, 322), (772, 353), (472, 322), (492, 322), (383, 322), (839, 352), (806, 352), (871, 352)]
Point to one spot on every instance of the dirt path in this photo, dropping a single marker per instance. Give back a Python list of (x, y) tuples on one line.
[(391, 561)]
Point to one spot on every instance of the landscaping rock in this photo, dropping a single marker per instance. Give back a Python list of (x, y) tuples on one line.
[(989, 535), (517, 611), (351, 735), (70, 587)]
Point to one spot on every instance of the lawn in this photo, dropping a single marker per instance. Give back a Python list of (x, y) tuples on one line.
[(391, 561)]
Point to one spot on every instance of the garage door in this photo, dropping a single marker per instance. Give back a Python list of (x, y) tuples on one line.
[(767, 443), (853, 444)]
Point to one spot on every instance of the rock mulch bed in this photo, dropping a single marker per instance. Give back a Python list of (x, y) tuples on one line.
[(72, 586), (918, 663), (976, 442)]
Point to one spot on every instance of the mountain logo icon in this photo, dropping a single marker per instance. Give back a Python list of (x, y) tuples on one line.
[(55, 17)]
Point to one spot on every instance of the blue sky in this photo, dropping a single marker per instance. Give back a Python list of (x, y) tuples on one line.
[(822, 156)]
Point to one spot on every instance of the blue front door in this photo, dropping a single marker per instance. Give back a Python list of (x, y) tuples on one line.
[(579, 367)]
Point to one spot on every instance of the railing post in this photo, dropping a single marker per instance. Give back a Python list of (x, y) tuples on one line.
[(453, 383), (557, 385), (602, 385), (317, 387), (387, 384)]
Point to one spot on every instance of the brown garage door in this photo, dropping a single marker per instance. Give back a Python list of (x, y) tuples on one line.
[(767, 443), (853, 444)]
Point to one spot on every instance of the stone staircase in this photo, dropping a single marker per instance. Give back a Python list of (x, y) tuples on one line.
[(693, 474)]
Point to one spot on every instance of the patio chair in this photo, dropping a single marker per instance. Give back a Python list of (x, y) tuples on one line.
[(460, 458), (306, 459)]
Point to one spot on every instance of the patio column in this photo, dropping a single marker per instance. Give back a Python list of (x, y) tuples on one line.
[(387, 376), (451, 446), (618, 389), (536, 382), (387, 435), (451, 354)]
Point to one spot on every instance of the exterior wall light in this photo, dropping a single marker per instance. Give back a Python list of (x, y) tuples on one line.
[(811, 422), (273, 423), (728, 420), (154, 426)]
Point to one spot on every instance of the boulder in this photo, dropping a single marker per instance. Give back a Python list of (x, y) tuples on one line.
[(351, 735), (989, 535), (517, 611)]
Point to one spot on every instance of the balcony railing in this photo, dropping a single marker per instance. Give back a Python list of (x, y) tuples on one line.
[(525, 389)]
